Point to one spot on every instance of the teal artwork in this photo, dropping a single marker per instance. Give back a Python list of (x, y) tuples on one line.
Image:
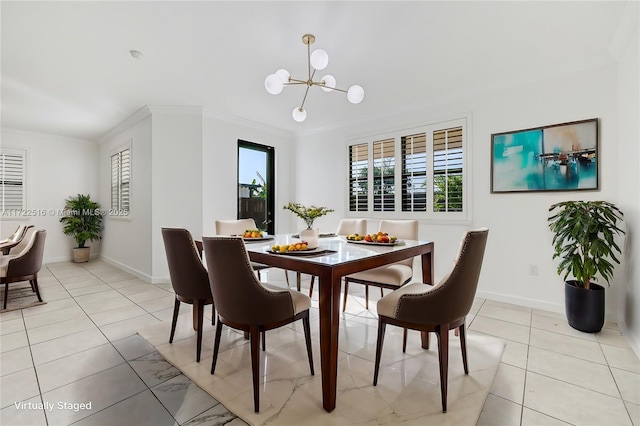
[(561, 157)]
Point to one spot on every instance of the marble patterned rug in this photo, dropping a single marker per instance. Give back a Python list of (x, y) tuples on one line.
[(408, 390)]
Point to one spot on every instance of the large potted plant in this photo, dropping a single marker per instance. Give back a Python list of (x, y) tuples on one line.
[(82, 219), (584, 240)]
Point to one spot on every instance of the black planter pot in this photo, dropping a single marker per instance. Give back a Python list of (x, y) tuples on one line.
[(584, 308)]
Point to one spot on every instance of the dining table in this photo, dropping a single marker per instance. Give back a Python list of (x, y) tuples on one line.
[(335, 258)]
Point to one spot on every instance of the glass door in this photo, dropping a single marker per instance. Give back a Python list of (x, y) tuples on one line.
[(255, 184)]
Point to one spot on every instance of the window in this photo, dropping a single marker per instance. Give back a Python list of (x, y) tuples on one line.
[(431, 172), (447, 170), (12, 179), (358, 177), (120, 181), (384, 175)]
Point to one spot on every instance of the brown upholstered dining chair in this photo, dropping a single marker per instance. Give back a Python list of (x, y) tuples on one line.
[(14, 240), (438, 308), (246, 304), (24, 266), (237, 227), (346, 227), (189, 279), (388, 276)]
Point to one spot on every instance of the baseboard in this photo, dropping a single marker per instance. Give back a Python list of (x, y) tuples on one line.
[(127, 268), (522, 301)]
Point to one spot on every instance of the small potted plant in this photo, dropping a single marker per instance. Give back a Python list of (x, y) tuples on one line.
[(309, 215), (82, 219), (584, 240)]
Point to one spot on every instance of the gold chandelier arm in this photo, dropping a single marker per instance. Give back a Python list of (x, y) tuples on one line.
[(293, 81), (305, 97)]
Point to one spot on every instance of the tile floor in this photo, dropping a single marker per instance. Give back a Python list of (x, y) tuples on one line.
[(550, 374)]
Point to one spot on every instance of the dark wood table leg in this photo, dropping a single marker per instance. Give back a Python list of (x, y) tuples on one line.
[(329, 326), (427, 278)]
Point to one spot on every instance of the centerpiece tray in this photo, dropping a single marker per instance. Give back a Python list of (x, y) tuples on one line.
[(375, 243)]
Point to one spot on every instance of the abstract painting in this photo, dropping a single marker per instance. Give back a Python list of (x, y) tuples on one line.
[(560, 157)]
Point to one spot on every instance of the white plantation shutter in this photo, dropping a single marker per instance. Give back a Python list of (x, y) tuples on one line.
[(414, 173), (358, 177), (447, 170), (12, 179), (121, 180), (384, 175)]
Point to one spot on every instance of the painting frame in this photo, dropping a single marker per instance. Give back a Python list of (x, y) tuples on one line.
[(557, 157)]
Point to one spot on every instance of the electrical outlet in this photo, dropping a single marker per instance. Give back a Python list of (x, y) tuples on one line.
[(533, 269)]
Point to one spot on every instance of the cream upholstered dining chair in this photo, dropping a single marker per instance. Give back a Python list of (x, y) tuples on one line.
[(388, 276), (346, 227), (189, 279), (25, 265), (237, 227), (438, 308), (22, 233), (244, 303)]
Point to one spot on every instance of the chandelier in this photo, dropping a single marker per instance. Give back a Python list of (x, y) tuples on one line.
[(318, 60)]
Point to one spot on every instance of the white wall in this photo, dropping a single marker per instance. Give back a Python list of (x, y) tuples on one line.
[(57, 168), (518, 222), (629, 185), (127, 241), (220, 168), (176, 177)]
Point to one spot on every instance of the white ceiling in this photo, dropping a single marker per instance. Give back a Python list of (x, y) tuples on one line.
[(66, 67)]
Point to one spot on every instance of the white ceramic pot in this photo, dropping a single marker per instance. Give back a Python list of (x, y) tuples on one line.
[(311, 236)]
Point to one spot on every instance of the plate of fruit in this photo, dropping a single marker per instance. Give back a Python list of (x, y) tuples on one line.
[(255, 235), (378, 239), (300, 249)]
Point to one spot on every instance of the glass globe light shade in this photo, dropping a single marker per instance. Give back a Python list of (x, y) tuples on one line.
[(273, 84), (319, 59), (299, 114), (329, 83), (284, 75), (355, 94)]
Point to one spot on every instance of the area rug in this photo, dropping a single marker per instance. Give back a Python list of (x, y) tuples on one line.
[(20, 296), (408, 390)]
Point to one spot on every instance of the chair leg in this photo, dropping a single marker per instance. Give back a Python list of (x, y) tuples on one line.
[(404, 341), (264, 341), (6, 294), (307, 338), (34, 285), (216, 346), (176, 309), (213, 314), (463, 346), (346, 292), (313, 278), (199, 305), (366, 296), (298, 280), (381, 327), (254, 338), (286, 277), (443, 357)]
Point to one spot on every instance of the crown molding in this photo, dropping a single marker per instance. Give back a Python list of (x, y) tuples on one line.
[(127, 123), (59, 138), (248, 123)]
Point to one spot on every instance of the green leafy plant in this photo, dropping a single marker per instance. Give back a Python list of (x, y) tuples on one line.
[(82, 219), (308, 214), (583, 238)]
